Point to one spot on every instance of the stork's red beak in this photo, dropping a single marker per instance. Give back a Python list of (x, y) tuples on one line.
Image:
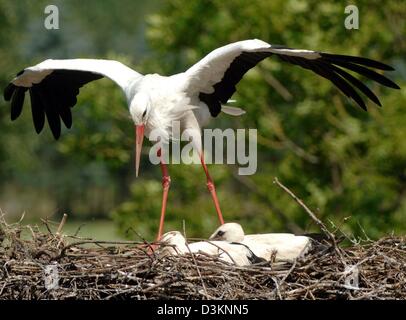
[(139, 138)]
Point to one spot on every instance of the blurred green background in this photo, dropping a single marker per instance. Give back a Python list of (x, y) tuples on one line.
[(349, 166)]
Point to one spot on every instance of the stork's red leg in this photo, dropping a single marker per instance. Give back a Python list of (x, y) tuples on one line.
[(166, 182), (212, 189)]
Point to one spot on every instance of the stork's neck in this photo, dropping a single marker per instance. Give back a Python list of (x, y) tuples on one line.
[(132, 89)]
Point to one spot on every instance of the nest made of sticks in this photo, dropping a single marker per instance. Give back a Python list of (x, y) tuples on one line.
[(55, 266)]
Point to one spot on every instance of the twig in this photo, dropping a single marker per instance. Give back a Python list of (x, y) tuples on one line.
[(62, 252), (194, 260), (251, 186), (311, 214), (78, 229), (45, 222), (61, 224), (126, 272), (314, 217), (145, 242), (22, 218)]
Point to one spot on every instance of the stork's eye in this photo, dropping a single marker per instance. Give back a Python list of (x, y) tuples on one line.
[(144, 113), (220, 233)]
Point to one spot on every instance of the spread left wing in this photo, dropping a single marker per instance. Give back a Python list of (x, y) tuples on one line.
[(53, 86), (214, 78)]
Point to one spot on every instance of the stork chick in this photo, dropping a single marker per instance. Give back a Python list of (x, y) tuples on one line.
[(287, 246), (174, 243)]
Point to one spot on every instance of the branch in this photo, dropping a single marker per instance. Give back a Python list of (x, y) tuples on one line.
[(293, 227), (61, 224), (314, 218)]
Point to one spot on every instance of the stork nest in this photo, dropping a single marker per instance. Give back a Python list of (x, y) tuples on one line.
[(54, 266)]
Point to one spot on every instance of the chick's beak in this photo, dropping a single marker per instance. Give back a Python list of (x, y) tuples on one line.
[(139, 138)]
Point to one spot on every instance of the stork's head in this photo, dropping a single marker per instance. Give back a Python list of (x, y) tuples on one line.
[(173, 243), (231, 232), (140, 108)]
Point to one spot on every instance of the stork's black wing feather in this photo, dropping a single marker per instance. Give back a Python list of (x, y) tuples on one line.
[(358, 84), (66, 116), (51, 98), (325, 70), (334, 58), (8, 91), (37, 110), (329, 66), (224, 89), (368, 73), (17, 102), (50, 111)]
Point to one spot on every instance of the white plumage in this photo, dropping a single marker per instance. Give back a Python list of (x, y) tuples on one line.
[(174, 243), (114, 70), (191, 97), (286, 246)]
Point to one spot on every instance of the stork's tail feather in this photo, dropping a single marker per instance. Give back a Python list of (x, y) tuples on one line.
[(232, 111)]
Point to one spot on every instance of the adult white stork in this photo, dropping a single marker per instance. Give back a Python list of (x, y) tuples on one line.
[(287, 246), (192, 97), (174, 243)]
